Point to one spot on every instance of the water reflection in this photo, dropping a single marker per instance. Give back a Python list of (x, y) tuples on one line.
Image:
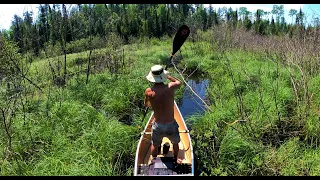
[(190, 104)]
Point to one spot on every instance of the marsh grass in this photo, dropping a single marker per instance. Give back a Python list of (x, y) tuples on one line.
[(264, 118), (267, 116)]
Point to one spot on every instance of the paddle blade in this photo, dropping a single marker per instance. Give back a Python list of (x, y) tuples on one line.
[(181, 36)]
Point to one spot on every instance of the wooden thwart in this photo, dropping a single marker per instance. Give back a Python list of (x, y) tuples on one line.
[(184, 131)]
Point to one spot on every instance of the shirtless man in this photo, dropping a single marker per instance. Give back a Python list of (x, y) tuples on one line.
[(161, 98)]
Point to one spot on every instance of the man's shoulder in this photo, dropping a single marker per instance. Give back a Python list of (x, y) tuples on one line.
[(148, 91)]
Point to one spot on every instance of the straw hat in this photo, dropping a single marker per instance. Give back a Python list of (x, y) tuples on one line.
[(157, 74)]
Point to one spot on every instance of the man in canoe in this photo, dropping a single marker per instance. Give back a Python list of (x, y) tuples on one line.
[(161, 98)]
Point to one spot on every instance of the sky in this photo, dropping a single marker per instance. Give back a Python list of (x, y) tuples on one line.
[(7, 11)]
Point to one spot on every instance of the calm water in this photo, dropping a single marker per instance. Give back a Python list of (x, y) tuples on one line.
[(190, 104)]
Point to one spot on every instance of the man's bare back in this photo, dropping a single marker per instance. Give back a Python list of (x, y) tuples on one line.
[(161, 98)]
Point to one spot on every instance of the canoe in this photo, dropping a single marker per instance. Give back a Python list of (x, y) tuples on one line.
[(164, 165)]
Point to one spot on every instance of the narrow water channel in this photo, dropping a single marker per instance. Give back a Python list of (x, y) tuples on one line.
[(190, 104)]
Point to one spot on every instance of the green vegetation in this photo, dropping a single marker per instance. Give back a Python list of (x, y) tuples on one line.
[(66, 28), (59, 117)]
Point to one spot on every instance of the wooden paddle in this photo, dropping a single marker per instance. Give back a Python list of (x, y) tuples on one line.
[(179, 38)]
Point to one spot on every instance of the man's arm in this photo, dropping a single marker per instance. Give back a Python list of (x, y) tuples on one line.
[(175, 82), (147, 98)]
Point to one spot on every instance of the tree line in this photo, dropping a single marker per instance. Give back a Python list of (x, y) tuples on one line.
[(57, 25)]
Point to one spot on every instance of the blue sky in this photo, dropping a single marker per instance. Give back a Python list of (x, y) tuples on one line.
[(7, 11)]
